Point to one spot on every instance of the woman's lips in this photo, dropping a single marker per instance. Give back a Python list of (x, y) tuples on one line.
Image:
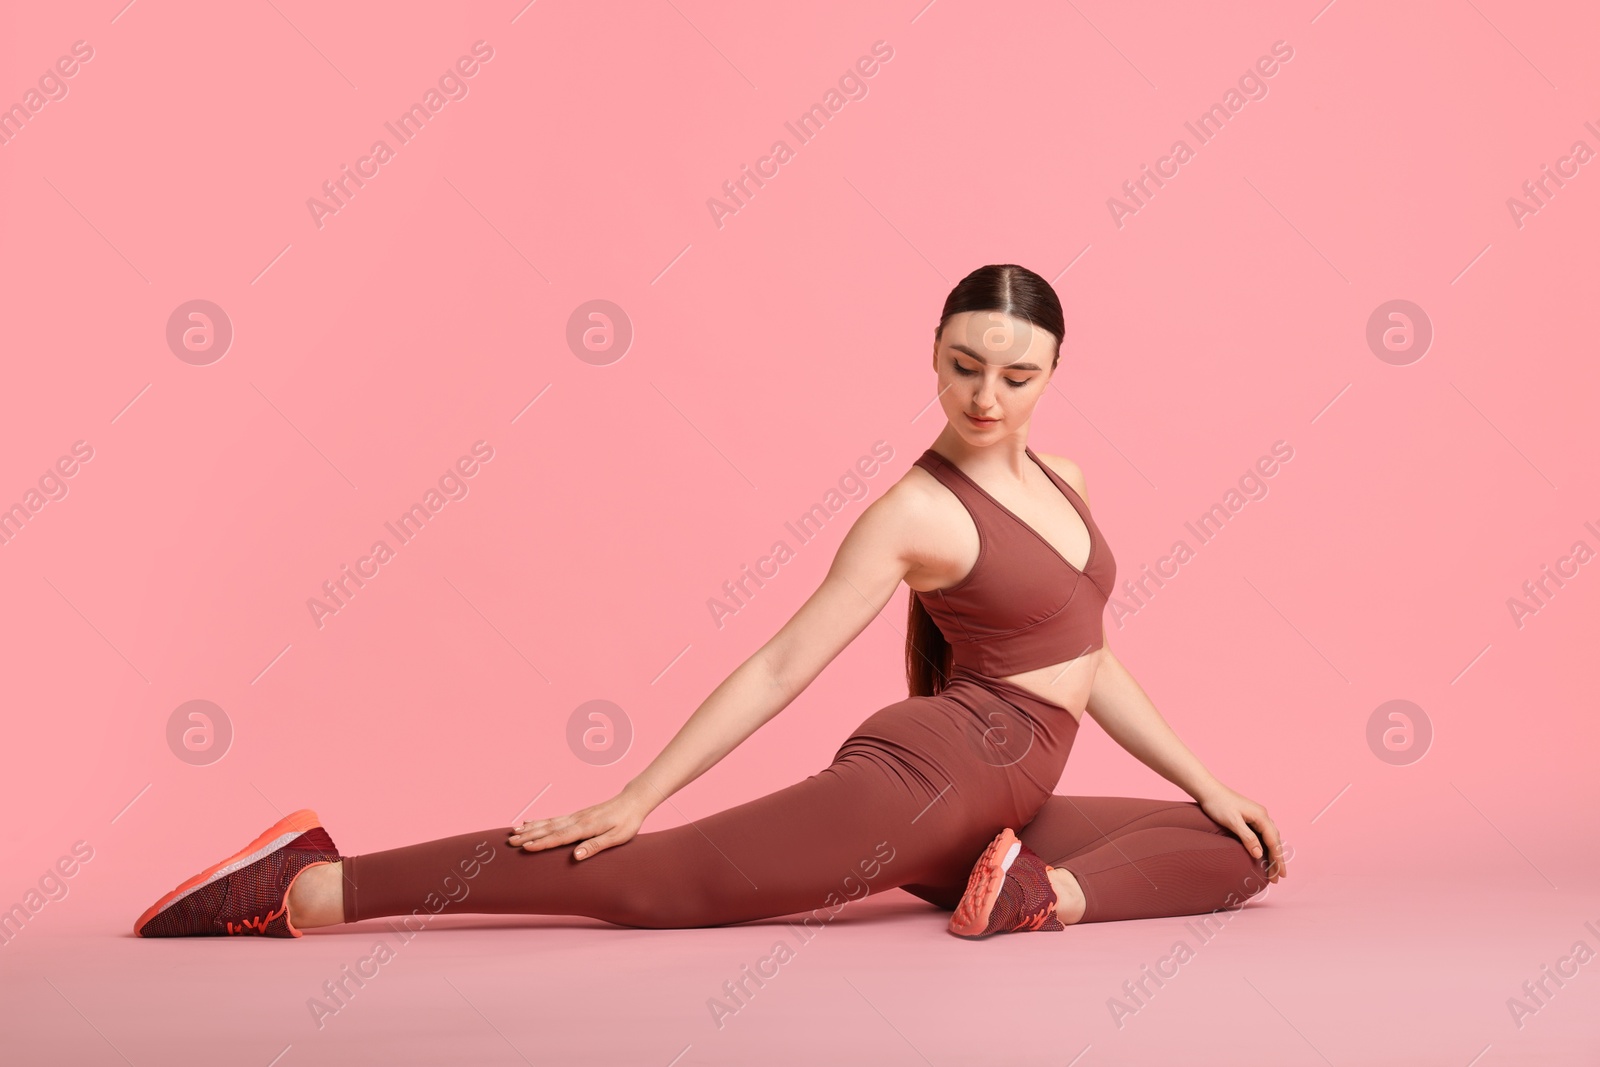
[(979, 422)]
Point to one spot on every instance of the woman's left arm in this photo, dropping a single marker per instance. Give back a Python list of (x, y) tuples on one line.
[(1122, 708)]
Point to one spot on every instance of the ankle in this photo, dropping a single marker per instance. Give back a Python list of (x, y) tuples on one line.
[(316, 896), (1070, 901)]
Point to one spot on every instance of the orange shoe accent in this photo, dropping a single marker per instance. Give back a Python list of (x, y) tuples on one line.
[(971, 916), (294, 824), (259, 922)]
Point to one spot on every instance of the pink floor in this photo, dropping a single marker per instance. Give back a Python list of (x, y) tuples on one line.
[(1324, 969)]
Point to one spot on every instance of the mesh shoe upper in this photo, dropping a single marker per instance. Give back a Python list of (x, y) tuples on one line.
[(1027, 900), (252, 900)]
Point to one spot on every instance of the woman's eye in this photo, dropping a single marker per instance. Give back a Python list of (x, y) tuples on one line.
[(968, 373)]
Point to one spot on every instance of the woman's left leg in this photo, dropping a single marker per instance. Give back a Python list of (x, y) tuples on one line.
[(910, 796), (847, 831)]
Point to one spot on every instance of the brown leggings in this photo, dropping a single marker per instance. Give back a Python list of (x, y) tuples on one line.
[(909, 801)]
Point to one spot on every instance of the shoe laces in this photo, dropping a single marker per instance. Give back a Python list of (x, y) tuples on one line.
[(257, 923)]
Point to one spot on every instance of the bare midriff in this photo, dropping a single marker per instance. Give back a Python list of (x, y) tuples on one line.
[(1066, 683)]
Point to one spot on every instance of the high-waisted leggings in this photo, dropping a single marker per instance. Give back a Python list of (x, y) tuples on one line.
[(910, 801)]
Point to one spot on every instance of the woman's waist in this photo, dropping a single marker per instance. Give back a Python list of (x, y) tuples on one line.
[(1019, 689), (970, 731), (971, 711)]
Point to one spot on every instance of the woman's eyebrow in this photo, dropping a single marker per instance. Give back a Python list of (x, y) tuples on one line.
[(1010, 366)]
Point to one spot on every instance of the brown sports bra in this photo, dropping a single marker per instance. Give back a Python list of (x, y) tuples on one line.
[(1022, 605)]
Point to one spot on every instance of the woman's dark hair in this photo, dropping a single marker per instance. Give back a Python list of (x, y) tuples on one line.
[(1019, 292)]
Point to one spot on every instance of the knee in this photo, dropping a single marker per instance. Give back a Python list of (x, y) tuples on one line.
[(1222, 874), (1249, 874), (667, 906), (1250, 869), (647, 907)]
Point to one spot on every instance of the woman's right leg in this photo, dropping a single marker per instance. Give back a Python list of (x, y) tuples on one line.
[(1142, 859)]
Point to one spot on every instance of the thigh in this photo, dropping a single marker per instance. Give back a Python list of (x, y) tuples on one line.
[(901, 802), (849, 830), (1068, 826)]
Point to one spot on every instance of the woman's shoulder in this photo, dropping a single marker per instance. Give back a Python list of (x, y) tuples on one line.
[(1070, 472)]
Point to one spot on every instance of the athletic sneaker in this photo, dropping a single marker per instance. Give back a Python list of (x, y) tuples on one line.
[(247, 893), (1009, 890)]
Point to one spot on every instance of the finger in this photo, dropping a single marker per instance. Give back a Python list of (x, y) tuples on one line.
[(527, 828), (1268, 832), (595, 844), (558, 834), (1248, 837), (517, 837), (532, 831), (1275, 844), (1275, 865), (553, 840)]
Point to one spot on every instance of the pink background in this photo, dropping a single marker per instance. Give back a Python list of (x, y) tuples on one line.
[(768, 355)]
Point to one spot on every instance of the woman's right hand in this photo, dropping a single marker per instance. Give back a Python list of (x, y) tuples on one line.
[(1250, 824), (596, 828)]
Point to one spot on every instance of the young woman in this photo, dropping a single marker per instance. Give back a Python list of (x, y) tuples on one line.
[(1005, 652)]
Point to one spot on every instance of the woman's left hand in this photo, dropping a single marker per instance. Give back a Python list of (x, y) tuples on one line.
[(1249, 822)]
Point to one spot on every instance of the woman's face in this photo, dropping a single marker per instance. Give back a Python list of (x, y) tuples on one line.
[(992, 370)]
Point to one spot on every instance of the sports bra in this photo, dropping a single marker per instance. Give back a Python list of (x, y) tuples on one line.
[(1023, 605)]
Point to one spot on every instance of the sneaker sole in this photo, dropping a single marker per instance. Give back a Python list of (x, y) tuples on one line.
[(983, 887), (267, 842)]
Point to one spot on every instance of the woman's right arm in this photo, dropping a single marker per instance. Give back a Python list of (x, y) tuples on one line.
[(874, 557)]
